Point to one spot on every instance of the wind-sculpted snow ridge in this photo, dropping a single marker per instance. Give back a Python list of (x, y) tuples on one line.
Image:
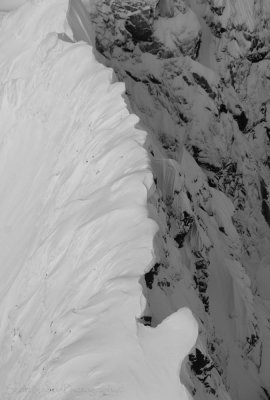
[(76, 234), (203, 92)]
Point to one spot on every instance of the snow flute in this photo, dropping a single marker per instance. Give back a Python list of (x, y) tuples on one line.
[(79, 21)]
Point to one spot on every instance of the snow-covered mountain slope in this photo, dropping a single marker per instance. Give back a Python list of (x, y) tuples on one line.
[(77, 229), (203, 92), (113, 227)]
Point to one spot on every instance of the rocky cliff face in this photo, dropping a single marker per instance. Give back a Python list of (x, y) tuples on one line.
[(198, 75)]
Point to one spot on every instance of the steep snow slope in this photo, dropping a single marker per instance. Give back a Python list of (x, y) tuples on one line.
[(75, 232), (205, 98)]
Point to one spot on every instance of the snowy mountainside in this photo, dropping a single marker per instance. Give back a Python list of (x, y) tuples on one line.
[(202, 89), (113, 227), (77, 230)]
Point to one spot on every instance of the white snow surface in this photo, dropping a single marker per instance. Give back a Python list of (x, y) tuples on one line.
[(180, 28), (75, 231), (8, 5)]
